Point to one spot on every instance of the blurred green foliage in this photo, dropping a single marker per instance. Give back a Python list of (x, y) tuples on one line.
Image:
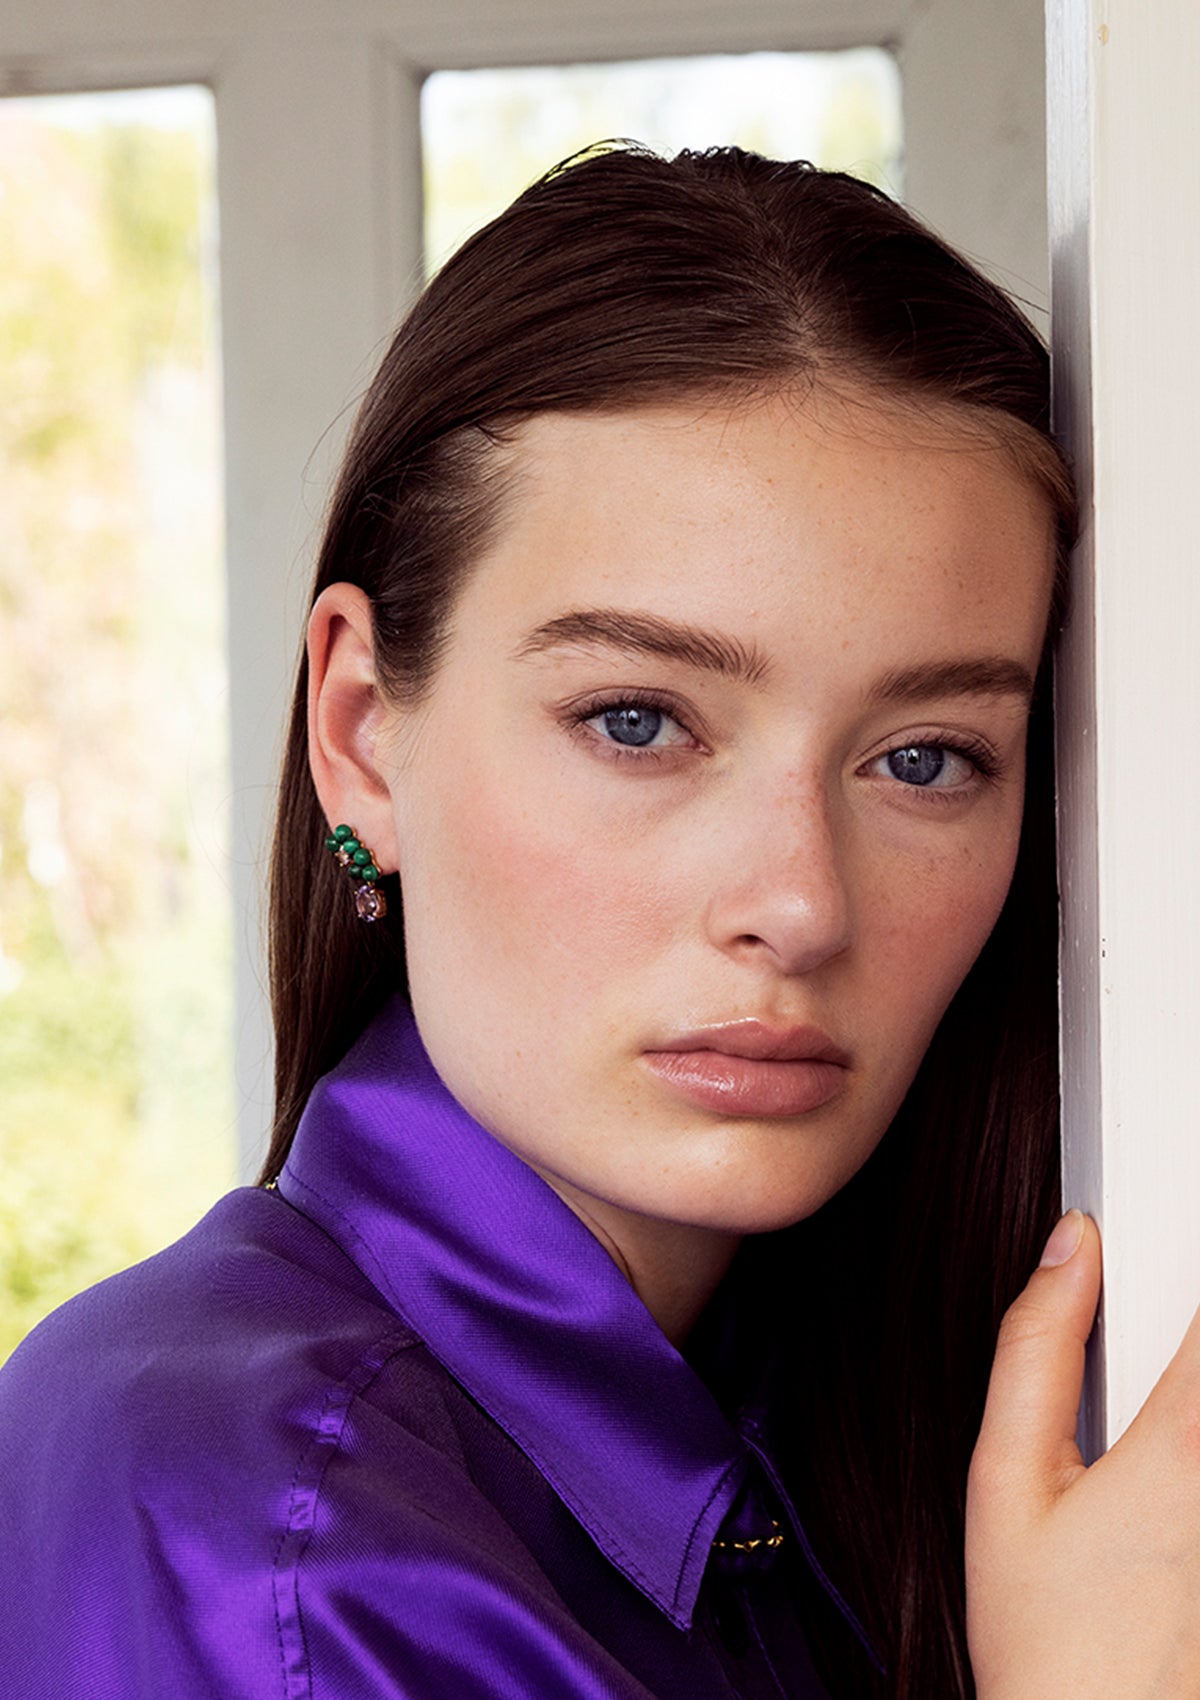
[(115, 1018)]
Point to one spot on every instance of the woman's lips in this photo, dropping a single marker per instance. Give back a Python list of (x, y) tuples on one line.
[(748, 1069)]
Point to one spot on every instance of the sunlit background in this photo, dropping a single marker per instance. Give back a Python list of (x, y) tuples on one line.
[(487, 134), (115, 1096), (116, 1088)]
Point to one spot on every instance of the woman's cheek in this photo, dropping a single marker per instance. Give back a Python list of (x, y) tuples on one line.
[(946, 910), (541, 891)]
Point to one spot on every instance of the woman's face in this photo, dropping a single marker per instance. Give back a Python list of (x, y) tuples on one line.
[(717, 794)]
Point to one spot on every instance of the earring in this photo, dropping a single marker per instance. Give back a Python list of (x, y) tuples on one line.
[(369, 902)]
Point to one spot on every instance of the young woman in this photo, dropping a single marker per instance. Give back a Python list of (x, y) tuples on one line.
[(664, 933)]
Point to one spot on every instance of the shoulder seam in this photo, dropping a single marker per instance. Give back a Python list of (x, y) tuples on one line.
[(304, 1493)]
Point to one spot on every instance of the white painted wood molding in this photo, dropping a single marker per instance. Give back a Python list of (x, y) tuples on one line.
[(1124, 174)]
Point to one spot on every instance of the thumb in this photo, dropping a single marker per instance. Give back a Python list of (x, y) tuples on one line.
[(1026, 1453)]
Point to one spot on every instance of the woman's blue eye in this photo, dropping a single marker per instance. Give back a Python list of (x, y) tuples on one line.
[(632, 725), (637, 726), (918, 764), (928, 764)]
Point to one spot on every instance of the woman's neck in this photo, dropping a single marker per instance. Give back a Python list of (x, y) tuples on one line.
[(673, 1267)]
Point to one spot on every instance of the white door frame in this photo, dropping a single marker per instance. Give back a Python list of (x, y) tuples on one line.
[(1124, 148)]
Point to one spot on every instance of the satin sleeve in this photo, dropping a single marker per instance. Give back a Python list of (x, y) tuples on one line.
[(411, 1585), (439, 1628), (372, 1568), (232, 1475), (439, 1621)]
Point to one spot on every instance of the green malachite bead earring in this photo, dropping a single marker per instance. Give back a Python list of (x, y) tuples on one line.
[(369, 902)]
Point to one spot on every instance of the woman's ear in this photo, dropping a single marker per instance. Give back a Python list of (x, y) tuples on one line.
[(346, 715)]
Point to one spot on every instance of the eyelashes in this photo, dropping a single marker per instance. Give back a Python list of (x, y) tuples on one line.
[(647, 727), (638, 725), (920, 762)]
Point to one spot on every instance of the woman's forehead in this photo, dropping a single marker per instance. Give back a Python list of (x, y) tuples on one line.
[(774, 502)]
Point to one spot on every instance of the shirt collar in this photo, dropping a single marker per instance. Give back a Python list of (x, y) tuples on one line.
[(524, 1307)]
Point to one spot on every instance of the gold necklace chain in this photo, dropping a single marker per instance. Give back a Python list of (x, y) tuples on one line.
[(771, 1542)]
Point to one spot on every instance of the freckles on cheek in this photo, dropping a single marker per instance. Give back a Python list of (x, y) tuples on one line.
[(941, 918)]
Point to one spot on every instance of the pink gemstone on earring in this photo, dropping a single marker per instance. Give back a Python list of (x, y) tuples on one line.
[(369, 904)]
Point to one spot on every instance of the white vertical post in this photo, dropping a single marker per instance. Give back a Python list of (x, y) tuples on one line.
[(1124, 132), (319, 222)]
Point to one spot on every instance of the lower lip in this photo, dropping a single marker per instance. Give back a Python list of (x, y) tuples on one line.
[(748, 1086)]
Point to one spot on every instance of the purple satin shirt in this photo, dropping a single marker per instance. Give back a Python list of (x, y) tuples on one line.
[(399, 1429)]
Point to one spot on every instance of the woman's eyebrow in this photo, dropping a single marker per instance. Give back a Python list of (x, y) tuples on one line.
[(648, 634), (986, 675)]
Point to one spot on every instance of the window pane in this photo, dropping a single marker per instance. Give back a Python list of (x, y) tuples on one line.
[(116, 1119), (487, 134)]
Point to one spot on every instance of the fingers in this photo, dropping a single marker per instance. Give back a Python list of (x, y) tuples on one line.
[(1026, 1455)]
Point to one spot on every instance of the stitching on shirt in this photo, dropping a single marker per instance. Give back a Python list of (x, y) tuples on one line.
[(381, 1283), (691, 1541), (381, 1280), (748, 1607), (814, 1562), (583, 1514), (304, 1493)]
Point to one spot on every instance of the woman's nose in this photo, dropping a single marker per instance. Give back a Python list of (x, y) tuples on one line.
[(783, 895)]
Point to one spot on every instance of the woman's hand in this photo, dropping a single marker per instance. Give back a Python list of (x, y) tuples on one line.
[(1082, 1583)]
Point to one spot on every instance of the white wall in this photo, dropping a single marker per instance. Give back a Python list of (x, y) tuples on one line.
[(975, 111)]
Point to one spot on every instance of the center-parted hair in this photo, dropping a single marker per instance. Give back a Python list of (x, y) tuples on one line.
[(620, 279)]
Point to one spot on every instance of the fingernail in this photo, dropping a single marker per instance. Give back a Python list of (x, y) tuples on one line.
[(1064, 1241)]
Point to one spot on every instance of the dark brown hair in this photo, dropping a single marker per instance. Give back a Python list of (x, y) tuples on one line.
[(623, 278)]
